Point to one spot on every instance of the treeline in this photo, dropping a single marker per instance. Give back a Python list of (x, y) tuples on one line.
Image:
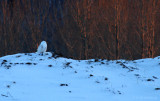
[(82, 29)]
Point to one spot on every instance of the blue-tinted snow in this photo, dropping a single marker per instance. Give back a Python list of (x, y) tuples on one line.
[(30, 77)]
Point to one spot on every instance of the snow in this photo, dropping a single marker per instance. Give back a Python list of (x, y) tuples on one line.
[(31, 77)]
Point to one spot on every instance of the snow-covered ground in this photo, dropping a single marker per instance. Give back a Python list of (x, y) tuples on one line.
[(30, 77)]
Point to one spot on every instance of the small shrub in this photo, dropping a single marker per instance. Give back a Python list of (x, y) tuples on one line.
[(91, 75), (105, 78), (154, 77), (150, 80), (29, 63), (35, 63), (18, 56), (157, 88), (8, 86), (7, 66), (49, 65), (63, 84)]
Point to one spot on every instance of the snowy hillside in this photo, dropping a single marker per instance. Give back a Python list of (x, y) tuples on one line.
[(30, 77)]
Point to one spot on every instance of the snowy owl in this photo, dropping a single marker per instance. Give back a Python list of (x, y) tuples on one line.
[(42, 48)]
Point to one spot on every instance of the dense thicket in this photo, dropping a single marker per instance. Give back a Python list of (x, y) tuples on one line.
[(82, 29)]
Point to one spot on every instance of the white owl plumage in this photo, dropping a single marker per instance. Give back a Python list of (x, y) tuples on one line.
[(42, 48)]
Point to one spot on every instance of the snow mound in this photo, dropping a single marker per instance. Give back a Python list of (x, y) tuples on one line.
[(31, 77)]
